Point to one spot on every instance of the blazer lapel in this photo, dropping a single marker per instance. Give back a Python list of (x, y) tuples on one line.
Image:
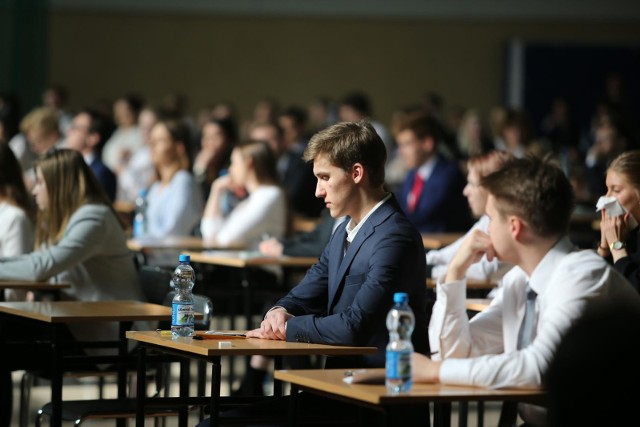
[(341, 265)]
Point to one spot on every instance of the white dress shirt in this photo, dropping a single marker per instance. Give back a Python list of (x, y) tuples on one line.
[(483, 351), (482, 270)]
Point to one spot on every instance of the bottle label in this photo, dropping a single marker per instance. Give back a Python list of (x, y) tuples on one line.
[(182, 314), (398, 365)]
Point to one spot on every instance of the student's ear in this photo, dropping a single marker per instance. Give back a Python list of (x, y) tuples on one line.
[(516, 226), (357, 173)]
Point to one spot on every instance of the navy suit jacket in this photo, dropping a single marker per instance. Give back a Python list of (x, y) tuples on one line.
[(346, 301), (105, 177), (441, 206)]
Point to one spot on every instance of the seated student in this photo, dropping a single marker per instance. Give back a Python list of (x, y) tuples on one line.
[(39, 133), (619, 235), (80, 241), (264, 211), (478, 167), (87, 134), (344, 298), (431, 195), (16, 213), (309, 243), (510, 343), (174, 202)]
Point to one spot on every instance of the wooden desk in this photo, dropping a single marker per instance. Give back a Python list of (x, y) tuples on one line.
[(328, 382), (245, 260), (439, 240), (58, 313), (471, 284), (29, 285), (478, 304), (187, 243), (211, 351)]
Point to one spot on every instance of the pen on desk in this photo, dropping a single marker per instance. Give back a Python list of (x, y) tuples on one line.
[(163, 333)]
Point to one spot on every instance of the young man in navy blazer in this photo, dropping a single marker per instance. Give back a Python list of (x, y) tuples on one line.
[(431, 195), (344, 298)]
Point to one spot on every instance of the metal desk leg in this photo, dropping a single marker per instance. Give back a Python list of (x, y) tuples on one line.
[(56, 376), (293, 406), (278, 390), (185, 376), (141, 390), (215, 392)]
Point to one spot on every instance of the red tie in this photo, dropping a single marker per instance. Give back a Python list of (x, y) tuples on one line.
[(415, 192)]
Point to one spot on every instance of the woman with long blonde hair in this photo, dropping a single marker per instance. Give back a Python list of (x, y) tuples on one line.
[(80, 240)]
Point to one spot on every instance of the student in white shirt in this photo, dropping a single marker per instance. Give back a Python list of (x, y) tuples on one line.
[(264, 211), (478, 167), (16, 212), (529, 206)]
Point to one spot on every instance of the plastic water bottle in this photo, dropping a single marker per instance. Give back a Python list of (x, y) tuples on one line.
[(400, 324), (140, 215), (182, 314)]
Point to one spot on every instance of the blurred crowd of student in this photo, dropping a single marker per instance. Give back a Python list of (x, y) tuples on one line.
[(202, 176)]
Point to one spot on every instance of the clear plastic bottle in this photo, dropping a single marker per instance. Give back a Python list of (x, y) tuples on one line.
[(400, 324), (140, 215), (182, 316)]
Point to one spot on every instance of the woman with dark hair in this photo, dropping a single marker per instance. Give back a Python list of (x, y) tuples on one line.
[(264, 211), (174, 204), (219, 136), (79, 240), (16, 212)]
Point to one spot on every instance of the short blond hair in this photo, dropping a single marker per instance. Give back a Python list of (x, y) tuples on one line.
[(42, 120)]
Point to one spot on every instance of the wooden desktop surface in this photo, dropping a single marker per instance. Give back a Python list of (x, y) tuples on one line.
[(471, 284), (244, 346), (87, 311), (477, 304), (439, 240), (243, 259), (186, 243), (330, 381)]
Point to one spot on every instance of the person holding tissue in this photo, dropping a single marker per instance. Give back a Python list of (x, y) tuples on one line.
[(620, 208)]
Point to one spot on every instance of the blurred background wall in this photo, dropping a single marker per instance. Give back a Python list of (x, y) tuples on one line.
[(243, 51)]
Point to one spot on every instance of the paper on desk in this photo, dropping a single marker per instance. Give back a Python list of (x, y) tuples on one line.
[(611, 204), (364, 376)]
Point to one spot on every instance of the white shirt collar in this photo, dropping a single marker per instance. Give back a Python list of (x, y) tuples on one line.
[(353, 230), (427, 168)]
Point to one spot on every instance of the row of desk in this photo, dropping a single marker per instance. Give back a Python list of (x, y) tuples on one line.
[(54, 314)]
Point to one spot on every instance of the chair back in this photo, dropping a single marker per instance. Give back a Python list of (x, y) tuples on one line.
[(155, 282)]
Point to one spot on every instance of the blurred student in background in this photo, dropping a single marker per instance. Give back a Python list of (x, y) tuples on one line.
[(87, 133), (478, 167), (16, 213), (619, 235), (174, 204), (219, 136), (263, 212)]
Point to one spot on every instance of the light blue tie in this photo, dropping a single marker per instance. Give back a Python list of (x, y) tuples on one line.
[(528, 326)]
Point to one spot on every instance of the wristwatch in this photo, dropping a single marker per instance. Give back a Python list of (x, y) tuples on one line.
[(617, 245)]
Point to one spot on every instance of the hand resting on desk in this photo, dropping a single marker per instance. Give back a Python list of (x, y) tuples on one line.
[(273, 327)]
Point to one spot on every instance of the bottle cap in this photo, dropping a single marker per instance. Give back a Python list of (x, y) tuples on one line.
[(184, 258), (400, 297)]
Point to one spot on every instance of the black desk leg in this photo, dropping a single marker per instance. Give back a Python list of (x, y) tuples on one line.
[(141, 390), (185, 377), (56, 376), (122, 368), (463, 413), (214, 420), (442, 414), (278, 390), (293, 406)]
